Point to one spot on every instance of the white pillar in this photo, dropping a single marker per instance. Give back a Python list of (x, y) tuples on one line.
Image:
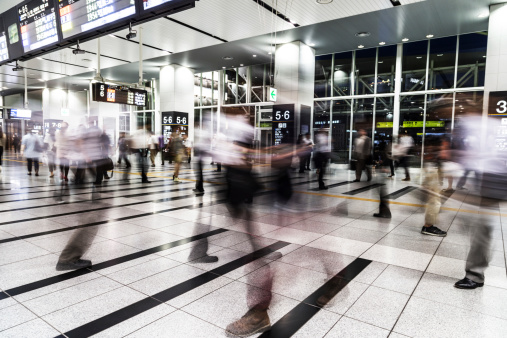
[(496, 61), (295, 75), (177, 92), (397, 90)]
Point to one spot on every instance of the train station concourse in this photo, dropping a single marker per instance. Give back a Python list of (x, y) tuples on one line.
[(253, 168)]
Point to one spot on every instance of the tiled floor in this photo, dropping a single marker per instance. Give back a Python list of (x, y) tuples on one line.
[(143, 283)]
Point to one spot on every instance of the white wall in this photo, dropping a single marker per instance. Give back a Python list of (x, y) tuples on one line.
[(56, 99)]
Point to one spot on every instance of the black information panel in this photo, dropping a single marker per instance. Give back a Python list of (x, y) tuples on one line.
[(52, 123), (119, 94), (80, 16), (284, 126), (497, 104), (37, 20), (173, 120)]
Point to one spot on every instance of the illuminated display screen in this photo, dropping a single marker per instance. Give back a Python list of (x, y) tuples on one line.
[(4, 53), (119, 94), (283, 124), (79, 16), (38, 24), (147, 4)]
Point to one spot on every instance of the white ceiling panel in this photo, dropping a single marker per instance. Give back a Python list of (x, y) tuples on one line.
[(232, 19), (5, 5), (171, 36)]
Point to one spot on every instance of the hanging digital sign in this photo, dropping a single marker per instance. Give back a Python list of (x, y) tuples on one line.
[(37, 20), (119, 94), (4, 52), (147, 4), (80, 16), (172, 121)]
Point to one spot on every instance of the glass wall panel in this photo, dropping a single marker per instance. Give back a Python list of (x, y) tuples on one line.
[(383, 135), (386, 69), (340, 133), (321, 115), (442, 63), (365, 71), (412, 124), (322, 86), (207, 89), (414, 66), (257, 72), (363, 117), (439, 115), (231, 90), (242, 84), (342, 73), (216, 76), (197, 90), (472, 59)]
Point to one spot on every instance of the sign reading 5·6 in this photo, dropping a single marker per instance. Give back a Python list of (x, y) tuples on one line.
[(285, 116)]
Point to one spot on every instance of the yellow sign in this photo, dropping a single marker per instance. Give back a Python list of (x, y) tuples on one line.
[(420, 124), (384, 124)]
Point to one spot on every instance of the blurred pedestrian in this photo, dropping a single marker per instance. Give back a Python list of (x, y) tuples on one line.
[(31, 148), (177, 150), (140, 143), (3, 143), (123, 150), (322, 151), (16, 143), (362, 153), (50, 148), (153, 148), (63, 149)]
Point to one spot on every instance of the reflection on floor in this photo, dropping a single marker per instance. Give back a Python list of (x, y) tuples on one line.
[(400, 283)]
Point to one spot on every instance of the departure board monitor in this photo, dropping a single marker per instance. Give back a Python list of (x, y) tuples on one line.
[(119, 94), (147, 4), (80, 16), (4, 51), (37, 20)]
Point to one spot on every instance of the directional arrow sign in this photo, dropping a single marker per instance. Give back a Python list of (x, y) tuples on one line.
[(272, 94)]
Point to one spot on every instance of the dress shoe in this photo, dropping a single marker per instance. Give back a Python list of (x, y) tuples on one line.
[(356, 181), (205, 259), (254, 321), (406, 179), (74, 265), (466, 283), (323, 187), (379, 215)]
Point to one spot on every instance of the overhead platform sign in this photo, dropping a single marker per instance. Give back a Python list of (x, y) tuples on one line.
[(79, 16), (4, 51), (119, 94), (37, 20)]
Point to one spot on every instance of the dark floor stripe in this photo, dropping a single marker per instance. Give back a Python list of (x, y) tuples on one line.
[(399, 193), (3, 295), (106, 264), (14, 239), (363, 189), (17, 238), (148, 303), (334, 185), (289, 324)]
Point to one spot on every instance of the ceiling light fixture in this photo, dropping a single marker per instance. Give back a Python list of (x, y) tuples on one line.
[(324, 2), (483, 15), (418, 57), (360, 46), (311, 44), (228, 58), (405, 39), (254, 56), (429, 36), (440, 54), (241, 65), (270, 53), (223, 67), (381, 62), (40, 58), (382, 43), (362, 34)]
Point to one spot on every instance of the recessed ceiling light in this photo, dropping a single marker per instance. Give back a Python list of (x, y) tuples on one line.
[(382, 43), (405, 39), (324, 2), (241, 65), (418, 57), (223, 67), (86, 60), (362, 34), (429, 36), (228, 58), (270, 53), (360, 46), (484, 56), (311, 44), (440, 54), (254, 56), (381, 62), (483, 15), (40, 58)]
